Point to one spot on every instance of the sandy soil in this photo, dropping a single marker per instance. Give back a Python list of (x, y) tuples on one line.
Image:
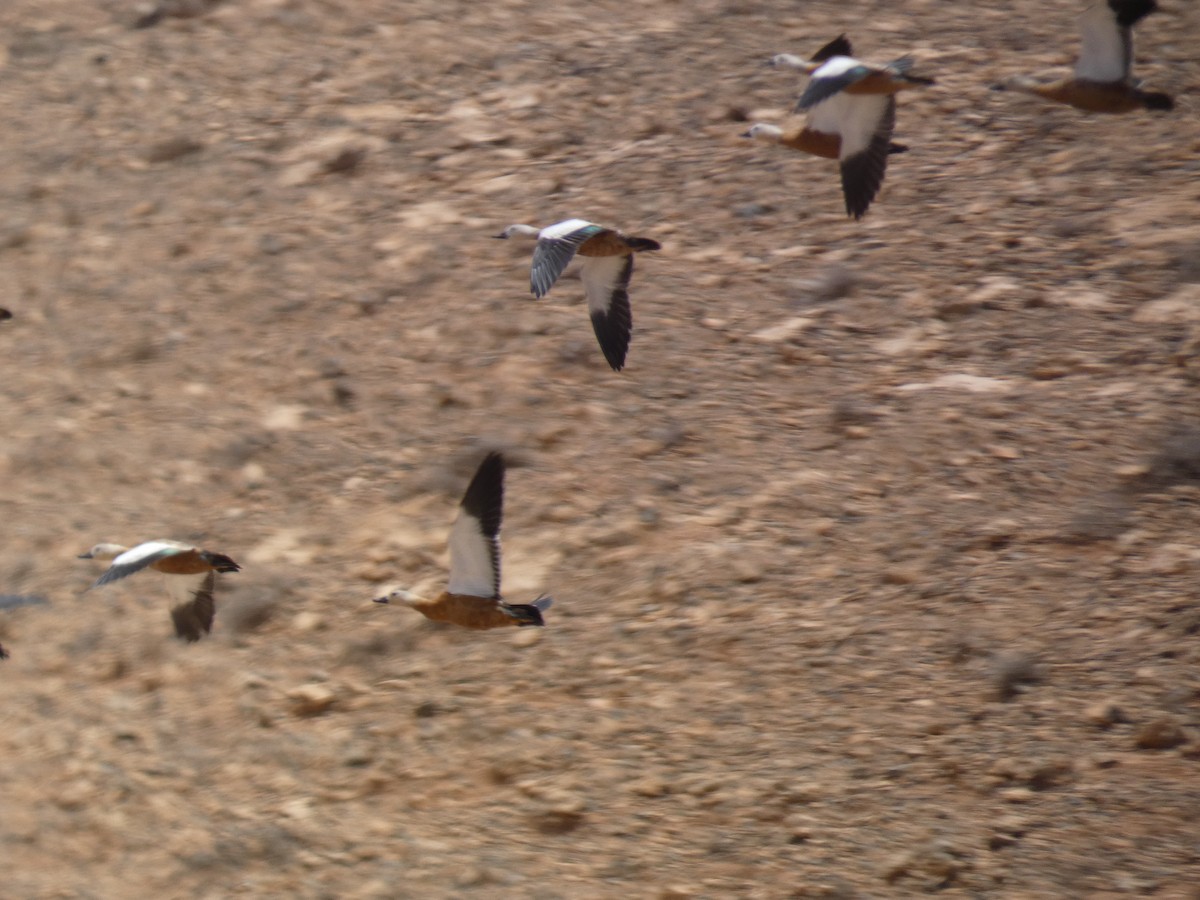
[(875, 569)]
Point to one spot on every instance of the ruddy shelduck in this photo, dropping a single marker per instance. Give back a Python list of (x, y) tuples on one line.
[(191, 578), (607, 268), (1103, 80), (472, 595), (856, 130)]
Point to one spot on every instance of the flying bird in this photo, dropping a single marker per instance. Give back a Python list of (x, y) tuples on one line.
[(851, 127), (607, 268), (1103, 81), (191, 578), (472, 595)]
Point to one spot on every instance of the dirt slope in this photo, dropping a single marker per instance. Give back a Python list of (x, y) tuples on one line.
[(875, 570)]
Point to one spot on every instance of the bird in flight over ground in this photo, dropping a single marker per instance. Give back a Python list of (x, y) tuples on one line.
[(853, 128), (472, 595), (1103, 81), (190, 572), (607, 267)]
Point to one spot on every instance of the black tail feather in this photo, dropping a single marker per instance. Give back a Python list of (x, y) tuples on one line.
[(640, 243), (221, 562), (529, 613)]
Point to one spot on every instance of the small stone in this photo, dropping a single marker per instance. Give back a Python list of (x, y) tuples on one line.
[(1012, 671), (753, 210), (1017, 795), (172, 149), (288, 417), (1181, 306), (252, 475), (307, 621), (902, 574), (650, 787), (311, 699), (527, 637), (559, 814), (1104, 714), (784, 330), (1161, 734)]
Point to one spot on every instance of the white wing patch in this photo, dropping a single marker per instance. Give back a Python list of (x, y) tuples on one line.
[(835, 67), (860, 121), (144, 554), (602, 276), (1107, 48), (828, 115), (560, 230), (474, 559)]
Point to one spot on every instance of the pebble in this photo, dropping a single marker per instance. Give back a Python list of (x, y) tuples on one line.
[(1161, 734), (311, 699), (1103, 714)]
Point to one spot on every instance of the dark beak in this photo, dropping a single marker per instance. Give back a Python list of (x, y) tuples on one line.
[(501, 236), (745, 134), (84, 556), (380, 600)]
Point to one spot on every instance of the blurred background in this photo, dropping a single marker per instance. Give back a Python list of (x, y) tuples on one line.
[(875, 569)]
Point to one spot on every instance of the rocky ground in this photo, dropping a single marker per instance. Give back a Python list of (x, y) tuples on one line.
[(875, 569)]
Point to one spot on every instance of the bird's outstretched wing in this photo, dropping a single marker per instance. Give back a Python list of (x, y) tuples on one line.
[(475, 535)]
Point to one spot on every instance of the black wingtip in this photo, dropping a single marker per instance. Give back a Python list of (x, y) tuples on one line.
[(193, 620), (221, 562), (1129, 12), (484, 497), (839, 46), (614, 331), (3, 653), (5, 315)]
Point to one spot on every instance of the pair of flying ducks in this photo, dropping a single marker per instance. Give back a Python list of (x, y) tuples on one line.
[(852, 108), (471, 599)]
